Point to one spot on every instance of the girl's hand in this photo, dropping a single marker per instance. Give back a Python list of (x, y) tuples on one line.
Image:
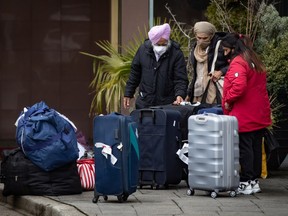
[(227, 106)]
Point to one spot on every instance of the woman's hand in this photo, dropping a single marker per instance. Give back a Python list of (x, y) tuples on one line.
[(227, 106), (216, 76)]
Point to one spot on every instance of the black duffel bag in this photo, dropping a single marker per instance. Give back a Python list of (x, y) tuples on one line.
[(22, 177)]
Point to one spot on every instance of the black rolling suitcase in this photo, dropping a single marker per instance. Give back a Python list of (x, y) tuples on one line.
[(186, 111), (159, 137)]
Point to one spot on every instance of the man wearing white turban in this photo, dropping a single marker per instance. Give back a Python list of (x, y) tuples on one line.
[(205, 66), (159, 70)]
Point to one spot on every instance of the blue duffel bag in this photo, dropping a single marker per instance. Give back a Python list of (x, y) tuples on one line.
[(46, 137)]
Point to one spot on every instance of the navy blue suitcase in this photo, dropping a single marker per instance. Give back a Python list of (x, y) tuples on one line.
[(116, 156), (186, 111), (159, 137), (216, 110)]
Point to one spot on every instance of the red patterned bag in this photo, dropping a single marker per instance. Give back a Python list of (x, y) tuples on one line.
[(86, 170)]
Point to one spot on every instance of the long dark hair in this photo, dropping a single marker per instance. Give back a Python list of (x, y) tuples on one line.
[(242, 45)]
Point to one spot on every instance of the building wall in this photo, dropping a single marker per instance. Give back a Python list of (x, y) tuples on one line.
[(40, 43), (134, 16)]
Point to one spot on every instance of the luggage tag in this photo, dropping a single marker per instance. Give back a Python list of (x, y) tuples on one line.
[(106, 150), (181, 153)]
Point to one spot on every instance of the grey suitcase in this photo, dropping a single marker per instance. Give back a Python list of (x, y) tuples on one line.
[(213, 154)]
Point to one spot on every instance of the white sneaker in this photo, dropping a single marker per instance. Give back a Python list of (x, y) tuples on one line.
[(244, 188), (255, 186)]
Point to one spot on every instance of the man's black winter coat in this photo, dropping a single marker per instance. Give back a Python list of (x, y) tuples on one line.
[(159, 82)]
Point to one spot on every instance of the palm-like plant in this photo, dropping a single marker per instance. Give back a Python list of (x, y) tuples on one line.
[(110, 74), (111, 71)]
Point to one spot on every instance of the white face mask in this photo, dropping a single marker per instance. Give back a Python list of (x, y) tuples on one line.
[(160, 50)]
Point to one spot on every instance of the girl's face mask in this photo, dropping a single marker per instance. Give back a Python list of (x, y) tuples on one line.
[(228, 52)]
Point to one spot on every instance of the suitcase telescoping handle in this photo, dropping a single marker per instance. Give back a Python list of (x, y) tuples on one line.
[(147, 113)]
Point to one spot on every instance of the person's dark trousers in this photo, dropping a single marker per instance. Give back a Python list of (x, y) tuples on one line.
[(250, 145)]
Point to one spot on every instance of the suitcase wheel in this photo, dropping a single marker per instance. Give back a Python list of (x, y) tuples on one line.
[(190, 192), (213, 194), (151, 186), (125, 197), (122, 198), (95, 199), (159, 187), (232, 193)]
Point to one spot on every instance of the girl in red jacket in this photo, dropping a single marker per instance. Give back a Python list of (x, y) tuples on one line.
[(245, 96)]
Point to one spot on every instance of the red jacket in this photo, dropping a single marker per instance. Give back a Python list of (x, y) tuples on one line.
[(245, 91)]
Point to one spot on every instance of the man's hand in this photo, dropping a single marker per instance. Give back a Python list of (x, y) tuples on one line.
[(178, 100), (126, 102)]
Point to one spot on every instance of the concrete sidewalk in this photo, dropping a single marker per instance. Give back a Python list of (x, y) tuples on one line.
[(173, 201)]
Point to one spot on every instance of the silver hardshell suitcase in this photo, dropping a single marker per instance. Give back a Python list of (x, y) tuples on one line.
[(213, 154)]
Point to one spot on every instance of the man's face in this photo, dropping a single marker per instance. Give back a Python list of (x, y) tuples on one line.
[(162, 42)]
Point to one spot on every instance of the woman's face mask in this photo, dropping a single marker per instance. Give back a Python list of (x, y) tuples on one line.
[(203, 44), (203, 40)]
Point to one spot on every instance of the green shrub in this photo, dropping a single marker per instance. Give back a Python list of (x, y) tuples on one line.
[(275, 57), (271, 44), (227, 15), (272, 29)]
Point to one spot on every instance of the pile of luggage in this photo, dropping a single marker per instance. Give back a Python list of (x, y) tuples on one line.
[(210, 138), (144, 149), (140, 150), (46, 161)]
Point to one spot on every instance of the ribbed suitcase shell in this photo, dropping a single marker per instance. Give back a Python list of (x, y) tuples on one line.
[(213, 153)]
